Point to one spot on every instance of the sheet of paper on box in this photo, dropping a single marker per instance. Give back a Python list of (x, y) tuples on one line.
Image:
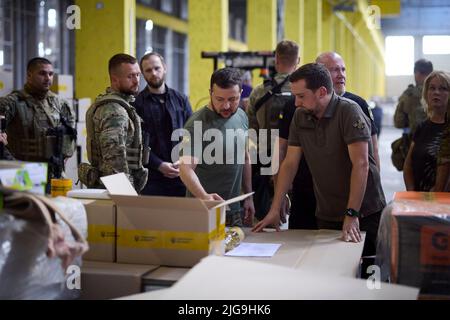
[(254, 250), (119, 184)]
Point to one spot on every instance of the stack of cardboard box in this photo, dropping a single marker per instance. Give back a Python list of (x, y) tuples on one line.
[(151, 231)]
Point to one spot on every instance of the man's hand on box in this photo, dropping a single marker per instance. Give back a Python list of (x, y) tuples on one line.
[(350, 229), (272, 218)]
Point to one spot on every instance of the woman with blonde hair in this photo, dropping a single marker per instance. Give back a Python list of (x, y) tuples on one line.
[(419, 171)]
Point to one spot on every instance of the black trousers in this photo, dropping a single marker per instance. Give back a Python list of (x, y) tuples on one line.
[(160, 188), (263, 188), (303, 210)]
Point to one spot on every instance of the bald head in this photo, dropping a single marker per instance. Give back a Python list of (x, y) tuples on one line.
[(336, 65)]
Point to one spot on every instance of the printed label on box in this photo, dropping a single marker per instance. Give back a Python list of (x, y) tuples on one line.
[(435, 245)]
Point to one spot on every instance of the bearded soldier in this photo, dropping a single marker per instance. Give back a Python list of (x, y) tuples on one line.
[(114, 136), (39, 124)]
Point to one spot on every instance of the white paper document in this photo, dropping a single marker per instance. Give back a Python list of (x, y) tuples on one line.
[(254, 250), (118, 184)]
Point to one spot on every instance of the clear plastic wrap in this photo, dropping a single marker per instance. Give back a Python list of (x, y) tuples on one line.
[(26, 270), (233, 238), (414, 242)]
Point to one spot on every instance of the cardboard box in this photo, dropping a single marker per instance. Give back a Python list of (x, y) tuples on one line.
[(163, 277), (165, 230), (6, 83), (313, 250), (63, 86), (101, 216), (222, 278), (420, 241), (101, 280)]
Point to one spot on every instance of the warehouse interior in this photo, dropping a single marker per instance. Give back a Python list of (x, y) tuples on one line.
[(379, 40)]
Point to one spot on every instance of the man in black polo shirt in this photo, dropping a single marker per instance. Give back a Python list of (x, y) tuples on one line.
[(163, 111), (336, 65), (334, 137)]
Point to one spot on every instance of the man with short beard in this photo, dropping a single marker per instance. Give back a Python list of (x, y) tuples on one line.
[(31, 112), (114, 136), (219, 132), (163, 110)]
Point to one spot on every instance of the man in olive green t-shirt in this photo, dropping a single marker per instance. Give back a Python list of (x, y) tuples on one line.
[(215, 161)]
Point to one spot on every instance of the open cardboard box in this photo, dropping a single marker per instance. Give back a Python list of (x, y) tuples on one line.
[(165, 230)]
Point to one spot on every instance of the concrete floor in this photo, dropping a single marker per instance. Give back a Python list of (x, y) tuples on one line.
[(391, 179)]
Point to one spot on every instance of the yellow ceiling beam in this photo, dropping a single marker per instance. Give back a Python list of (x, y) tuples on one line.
[(161, 19)]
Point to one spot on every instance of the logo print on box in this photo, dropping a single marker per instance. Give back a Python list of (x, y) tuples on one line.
[(434, 245), (440, 241)]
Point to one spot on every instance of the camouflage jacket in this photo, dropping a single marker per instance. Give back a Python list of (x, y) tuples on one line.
[(27, 120), (115, 143), (410, 110)]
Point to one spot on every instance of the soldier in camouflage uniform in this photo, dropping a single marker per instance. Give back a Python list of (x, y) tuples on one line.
[(31, 112), (114, 136), (410, 111)]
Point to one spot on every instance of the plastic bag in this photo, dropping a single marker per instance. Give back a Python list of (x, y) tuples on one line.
[(27, 270)]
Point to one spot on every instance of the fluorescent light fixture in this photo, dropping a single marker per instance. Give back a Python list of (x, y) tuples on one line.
[(149, 25), (52, 18)]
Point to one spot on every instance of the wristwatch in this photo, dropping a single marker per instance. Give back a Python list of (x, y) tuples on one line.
[(352, 213)]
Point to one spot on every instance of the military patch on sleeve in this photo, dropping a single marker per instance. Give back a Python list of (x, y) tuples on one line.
[(359, 124)]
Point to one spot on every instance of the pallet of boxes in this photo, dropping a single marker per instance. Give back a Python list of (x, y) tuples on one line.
[(414, 243), (131, 235)]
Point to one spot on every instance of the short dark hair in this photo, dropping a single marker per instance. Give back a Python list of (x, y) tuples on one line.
[(423, 66), (287, 52), (148, 55), (118, 59), (226, 78), (33, 63), (316, 75)]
